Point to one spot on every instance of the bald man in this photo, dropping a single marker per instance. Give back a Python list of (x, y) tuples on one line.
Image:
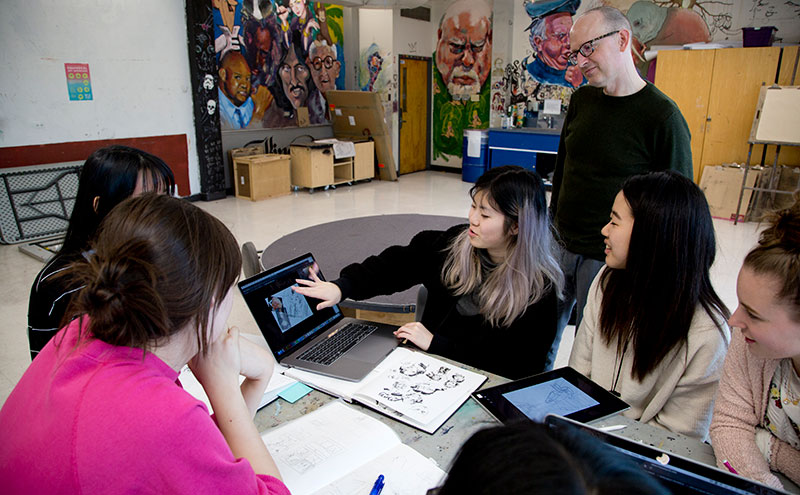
[(235, 104), (618, 125)]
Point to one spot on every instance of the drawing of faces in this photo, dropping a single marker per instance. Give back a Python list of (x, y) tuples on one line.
[(438, 375), (410, 368), (454, 380), (426, 388), (208, 82), (211, 106)]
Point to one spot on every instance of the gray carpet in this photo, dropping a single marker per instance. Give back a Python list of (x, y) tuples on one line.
[(337, 244)]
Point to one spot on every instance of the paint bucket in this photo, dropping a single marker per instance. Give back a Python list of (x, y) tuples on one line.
[(474, 154)]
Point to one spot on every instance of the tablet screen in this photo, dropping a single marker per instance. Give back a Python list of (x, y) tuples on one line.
[(556, 396), (563, 391)]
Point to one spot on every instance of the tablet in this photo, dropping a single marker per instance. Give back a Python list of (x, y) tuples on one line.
[(563, 391)]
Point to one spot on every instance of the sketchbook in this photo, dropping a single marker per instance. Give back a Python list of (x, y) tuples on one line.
[(277, 384), (409, 386), (338, 450)]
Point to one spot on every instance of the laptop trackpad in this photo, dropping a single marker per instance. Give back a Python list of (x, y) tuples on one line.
[(375, 348)]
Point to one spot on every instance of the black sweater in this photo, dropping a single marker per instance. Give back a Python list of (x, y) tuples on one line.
[(513, 352)]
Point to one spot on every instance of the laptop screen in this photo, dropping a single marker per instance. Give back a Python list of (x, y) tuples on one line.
[(677, 474), (287, 319)]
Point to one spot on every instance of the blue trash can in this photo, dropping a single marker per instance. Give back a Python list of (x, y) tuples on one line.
[(474, 154)]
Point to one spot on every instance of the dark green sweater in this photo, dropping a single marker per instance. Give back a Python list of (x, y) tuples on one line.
[(605, 140)]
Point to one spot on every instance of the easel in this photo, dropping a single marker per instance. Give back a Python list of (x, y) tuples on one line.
[(777, 123)]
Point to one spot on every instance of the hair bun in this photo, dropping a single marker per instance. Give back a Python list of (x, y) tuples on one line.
[(784, 229)]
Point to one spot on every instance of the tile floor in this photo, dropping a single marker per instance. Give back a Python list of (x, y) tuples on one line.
[(263, 222)]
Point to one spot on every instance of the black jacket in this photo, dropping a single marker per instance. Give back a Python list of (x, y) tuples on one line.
[(513, 352)]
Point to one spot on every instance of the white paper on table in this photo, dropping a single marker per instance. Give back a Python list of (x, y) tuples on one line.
[(552, 107), (277, 384)]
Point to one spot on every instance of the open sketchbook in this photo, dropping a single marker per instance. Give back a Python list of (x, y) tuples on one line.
[(337, 450), (409, 386), (277, 384)]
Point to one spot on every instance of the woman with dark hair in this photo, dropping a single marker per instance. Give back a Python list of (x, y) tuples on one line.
[(756, 417), (529, 458), (103, 401), (492, 284), (654, 329), (109, 176)]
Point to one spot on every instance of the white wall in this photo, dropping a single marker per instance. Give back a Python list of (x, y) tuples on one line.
[(138, 62), (377, 26)]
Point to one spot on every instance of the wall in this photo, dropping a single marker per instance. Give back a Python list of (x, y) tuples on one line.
[(376, 49), (137, 56)]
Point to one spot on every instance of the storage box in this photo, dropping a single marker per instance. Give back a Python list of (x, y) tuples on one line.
[(722, 185), (758, 36), (262, 176), (314, 164)]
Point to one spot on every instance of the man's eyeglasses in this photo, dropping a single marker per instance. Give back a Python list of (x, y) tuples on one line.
[(587, 48), (319, 62)]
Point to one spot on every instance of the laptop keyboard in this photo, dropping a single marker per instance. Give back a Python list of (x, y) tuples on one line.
[(330, 349)]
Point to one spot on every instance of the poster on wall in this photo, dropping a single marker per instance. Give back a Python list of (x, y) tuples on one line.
[(276, 61), (79, 84), (461, 82)]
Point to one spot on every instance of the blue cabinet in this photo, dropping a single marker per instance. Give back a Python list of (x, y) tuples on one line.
[(521, 146)]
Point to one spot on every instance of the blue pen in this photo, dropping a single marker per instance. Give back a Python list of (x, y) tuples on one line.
[(377, 487)]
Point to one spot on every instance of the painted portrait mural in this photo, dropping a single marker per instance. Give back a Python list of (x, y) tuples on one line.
[(276, 61), (461, 82)]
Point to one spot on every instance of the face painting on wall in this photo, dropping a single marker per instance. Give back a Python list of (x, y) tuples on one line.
[(275, 57), (461, 86), (464, 47)]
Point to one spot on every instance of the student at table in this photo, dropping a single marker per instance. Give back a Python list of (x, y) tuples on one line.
[(100, 410), (654, 329), (757, 413), (492, 284), (109, 176), (529, 458)]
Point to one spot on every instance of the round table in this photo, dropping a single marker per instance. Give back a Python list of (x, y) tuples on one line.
[(340, 243)]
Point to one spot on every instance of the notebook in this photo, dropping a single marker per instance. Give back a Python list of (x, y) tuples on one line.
[(412, 387), (677, 474), (336, 449), (296, 331)]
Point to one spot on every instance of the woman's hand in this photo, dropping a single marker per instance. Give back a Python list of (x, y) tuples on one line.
[(257, 362), (257, 367), (328, 292), (416, 333), (218, 370)]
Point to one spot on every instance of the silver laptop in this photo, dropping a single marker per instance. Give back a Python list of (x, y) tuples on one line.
[(322, 341)]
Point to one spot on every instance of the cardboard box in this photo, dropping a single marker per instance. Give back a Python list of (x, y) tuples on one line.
[(722, 185), (359, 114), (262, 176)]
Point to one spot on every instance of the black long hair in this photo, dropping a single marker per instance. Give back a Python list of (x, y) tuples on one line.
[(651, 302), (110, 174)]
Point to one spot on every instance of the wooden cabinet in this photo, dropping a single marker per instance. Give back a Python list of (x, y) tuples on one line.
[(314, 165), (717, 92), (261, 176)]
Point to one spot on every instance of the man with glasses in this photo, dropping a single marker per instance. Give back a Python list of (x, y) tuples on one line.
[(324, 71), (617, 126)]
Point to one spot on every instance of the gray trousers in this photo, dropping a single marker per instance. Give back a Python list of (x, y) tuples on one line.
[(579, 272)]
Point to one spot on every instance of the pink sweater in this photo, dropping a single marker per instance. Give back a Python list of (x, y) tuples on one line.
[(739, 409), (96, 418)]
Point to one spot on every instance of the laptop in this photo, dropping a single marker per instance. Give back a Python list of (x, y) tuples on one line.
[(300, 336), (677, 474)]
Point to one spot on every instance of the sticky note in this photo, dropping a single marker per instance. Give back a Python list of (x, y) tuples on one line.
[(295, 392)]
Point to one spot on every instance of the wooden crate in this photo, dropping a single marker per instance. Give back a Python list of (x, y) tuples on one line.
[(262, 176)]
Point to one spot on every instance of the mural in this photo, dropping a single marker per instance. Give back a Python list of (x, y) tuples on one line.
[(461, 85), (276, 61), (371, 75)]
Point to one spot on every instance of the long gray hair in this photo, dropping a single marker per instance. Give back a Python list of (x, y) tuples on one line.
[(530, 268)]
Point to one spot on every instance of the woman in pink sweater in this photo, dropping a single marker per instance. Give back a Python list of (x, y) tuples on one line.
[(757, 411), (100, 410)]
